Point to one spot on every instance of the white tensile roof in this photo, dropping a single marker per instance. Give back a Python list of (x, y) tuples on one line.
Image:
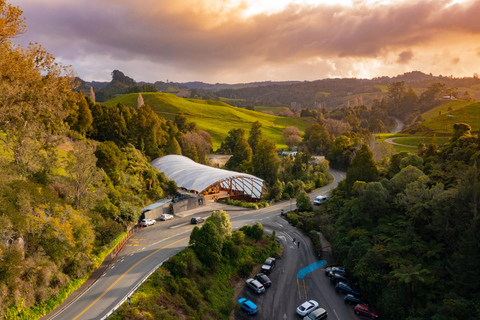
[(197, 177)]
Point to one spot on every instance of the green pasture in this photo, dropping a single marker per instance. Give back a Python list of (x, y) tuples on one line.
[(215, 117), (275, 110), (231, 101), (443, 124), (414, 141), (444, 107), (382, 87)]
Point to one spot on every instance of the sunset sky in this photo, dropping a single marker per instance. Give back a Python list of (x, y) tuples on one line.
[(231, 41)]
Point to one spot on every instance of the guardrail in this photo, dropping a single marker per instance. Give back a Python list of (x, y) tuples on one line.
[(122, 243), (136, 287)]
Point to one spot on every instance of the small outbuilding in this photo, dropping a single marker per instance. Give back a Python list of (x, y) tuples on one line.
[(202, 179)]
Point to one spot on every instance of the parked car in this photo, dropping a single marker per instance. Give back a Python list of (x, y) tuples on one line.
[(317, 314), (263, 279), (346, 289), (255, 286), (147, 222), (366, 311), (166, 217), (197, 220), (319, 200), (268, 265), (307, 307), (335, 277), (353, 300), (337, 269), (248, 306)]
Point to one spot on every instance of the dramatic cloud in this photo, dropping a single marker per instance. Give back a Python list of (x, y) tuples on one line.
[(405, 57), (215, 41)]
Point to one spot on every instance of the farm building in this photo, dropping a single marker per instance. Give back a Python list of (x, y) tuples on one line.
[(201, 179)]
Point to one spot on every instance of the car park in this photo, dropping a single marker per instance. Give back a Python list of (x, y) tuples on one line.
[(353, 300), (317, 314), (166, 217), (346, 289), (307, 307), (268, 265), (320, 199), (196, 220), (147, 222), (255, 286), (248, 306), (366, 311), (263, 279)]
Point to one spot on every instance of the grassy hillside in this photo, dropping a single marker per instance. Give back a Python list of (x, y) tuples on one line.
[(215, 117), (443, 124), (444, 107)]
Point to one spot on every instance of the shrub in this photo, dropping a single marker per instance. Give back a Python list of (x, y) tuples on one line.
[(292, 218)]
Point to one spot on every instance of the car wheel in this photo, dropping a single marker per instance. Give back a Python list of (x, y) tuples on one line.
[(357, 312)]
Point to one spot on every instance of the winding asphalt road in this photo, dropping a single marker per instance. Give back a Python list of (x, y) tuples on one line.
[(147, 249)]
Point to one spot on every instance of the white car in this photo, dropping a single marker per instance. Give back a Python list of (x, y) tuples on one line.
[(307, 307), (166, 217), (319, 200), (147, 222)]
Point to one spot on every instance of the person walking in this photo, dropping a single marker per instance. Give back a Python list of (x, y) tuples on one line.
[(298, 244)]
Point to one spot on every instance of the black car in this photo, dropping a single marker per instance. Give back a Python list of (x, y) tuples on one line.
[(268, 265), (346, 289), (335, 278), (263, 279), (353, 300), (197, 220)]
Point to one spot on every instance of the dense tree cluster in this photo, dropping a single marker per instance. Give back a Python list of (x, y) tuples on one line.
[(409, 234)]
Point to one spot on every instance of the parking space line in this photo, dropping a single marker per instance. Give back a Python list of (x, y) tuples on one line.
[(298, 286)]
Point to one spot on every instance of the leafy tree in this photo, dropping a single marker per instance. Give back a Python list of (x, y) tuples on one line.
[(317, 139), (265, 161), (173, 147), (363, 168), (222, 221), (84, 173), (228, 145), (242, 156), (303, 202), (255, 136), (109, 158), (181, 122), (432, 147), (460, 130), (208, 244)]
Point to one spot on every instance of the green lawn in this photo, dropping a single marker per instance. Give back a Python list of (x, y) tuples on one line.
[(215, 117)]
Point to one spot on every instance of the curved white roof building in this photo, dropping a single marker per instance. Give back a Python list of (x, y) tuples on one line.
[(193, 176)]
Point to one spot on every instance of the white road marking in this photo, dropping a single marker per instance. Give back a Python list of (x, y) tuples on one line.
[(179, 225), (281, 225), (336, 314), (282, 238)]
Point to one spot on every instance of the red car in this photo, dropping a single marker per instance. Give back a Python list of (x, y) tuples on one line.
[(366, 311)]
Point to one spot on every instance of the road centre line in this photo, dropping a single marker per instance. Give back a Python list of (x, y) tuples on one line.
[(123, 275)]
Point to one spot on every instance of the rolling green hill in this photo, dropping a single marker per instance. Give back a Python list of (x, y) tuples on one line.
[(442, 124), (215, 117)]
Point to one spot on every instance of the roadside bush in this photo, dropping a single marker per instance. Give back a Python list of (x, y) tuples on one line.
[(292, 218), (314, 236)]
